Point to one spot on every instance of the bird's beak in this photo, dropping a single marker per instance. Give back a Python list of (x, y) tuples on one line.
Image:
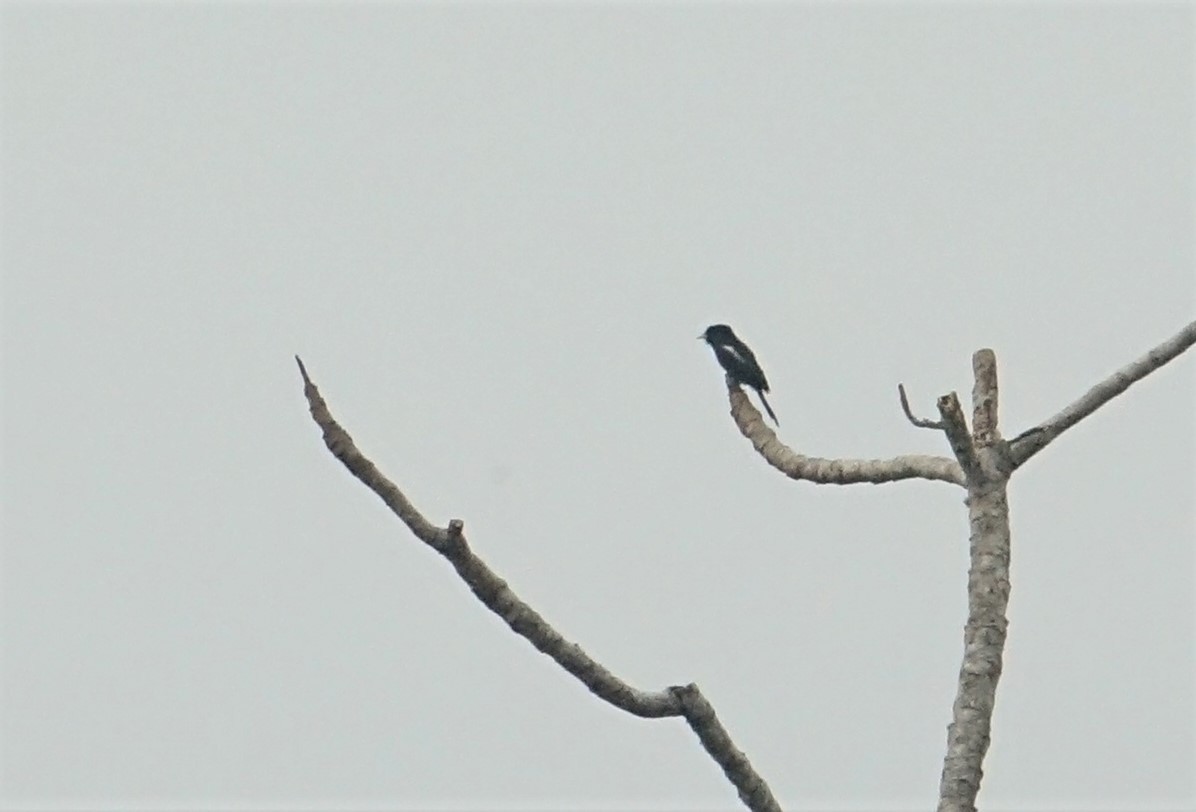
[(703, 335)]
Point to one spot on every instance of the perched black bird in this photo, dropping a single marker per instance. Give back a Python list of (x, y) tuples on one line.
[(738, 360)]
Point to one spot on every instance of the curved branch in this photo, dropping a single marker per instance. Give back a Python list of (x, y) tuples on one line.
[(917, 422), (833, 471), (1033, 440), (685, 701)]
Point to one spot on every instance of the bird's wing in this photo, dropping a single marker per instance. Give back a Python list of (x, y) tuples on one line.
[(740, 353), (744, 355)]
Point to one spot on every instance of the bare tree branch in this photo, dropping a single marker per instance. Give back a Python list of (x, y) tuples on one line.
[(1033, 440), (684, 701), (701, 717), (919, 422), (956, 429), (833, 471)]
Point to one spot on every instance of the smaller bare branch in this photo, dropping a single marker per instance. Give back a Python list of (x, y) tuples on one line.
[(493, 592), (833, 471), (1033, 440), (488, 587), (341, 445), (919, 422), (984, 398), (956, 429)]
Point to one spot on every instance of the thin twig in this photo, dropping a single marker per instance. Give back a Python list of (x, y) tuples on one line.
[(919, 422), (684, 701)]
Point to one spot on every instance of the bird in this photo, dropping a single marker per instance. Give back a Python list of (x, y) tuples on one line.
[(739, 361)]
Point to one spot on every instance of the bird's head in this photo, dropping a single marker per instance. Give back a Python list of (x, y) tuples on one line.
[(717, 334)]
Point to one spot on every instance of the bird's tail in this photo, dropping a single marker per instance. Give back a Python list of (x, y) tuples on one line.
[(767, 408)]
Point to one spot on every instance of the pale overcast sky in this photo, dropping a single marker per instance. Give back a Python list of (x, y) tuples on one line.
[(493, 233)]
